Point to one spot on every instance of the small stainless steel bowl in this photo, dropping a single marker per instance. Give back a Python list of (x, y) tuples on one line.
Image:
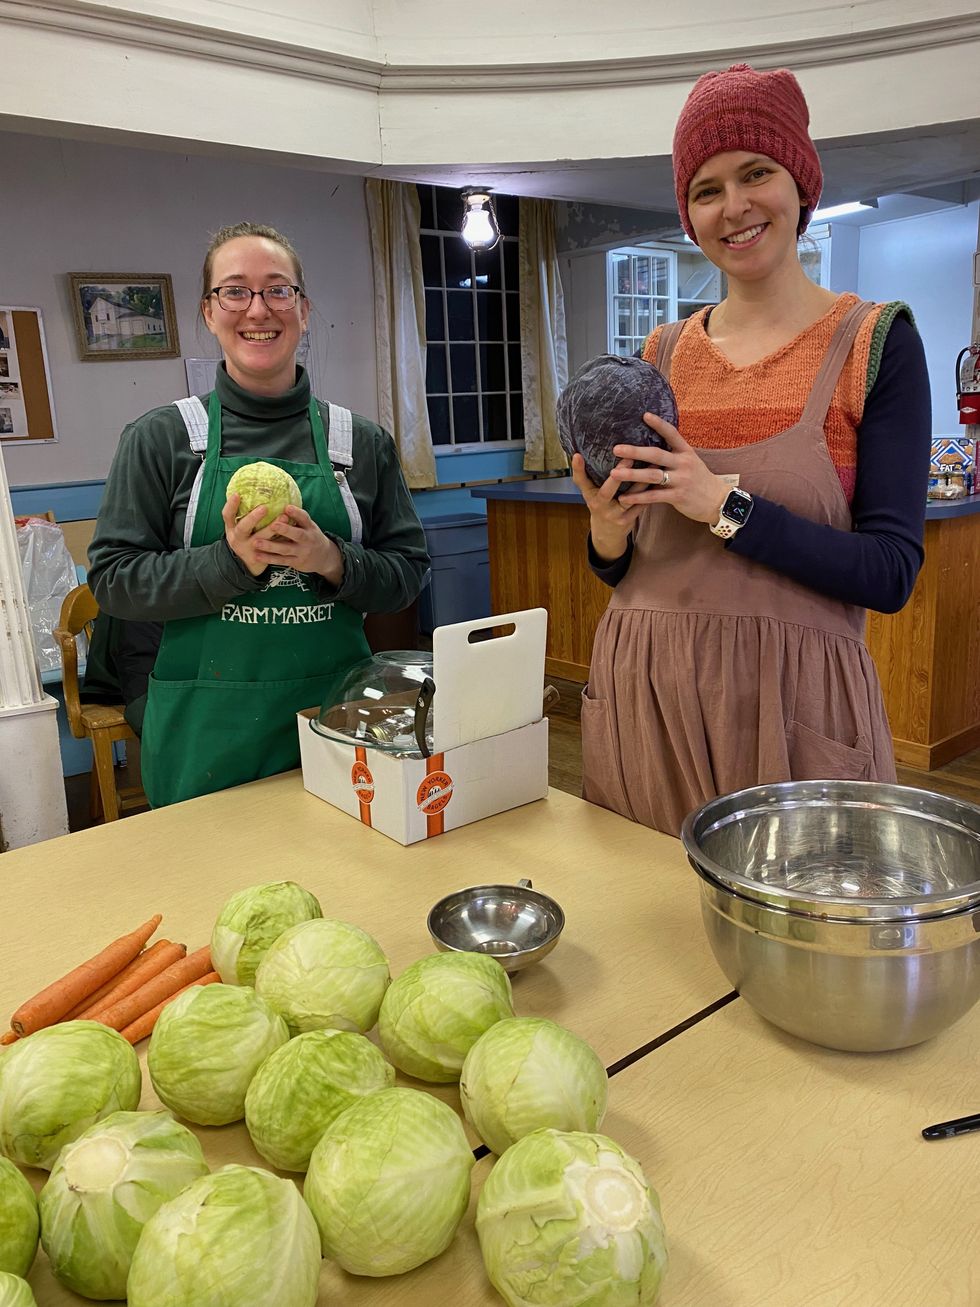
[(845, 912), (516, 924)]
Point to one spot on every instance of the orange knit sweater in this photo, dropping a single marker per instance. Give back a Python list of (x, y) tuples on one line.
[(724, 407)]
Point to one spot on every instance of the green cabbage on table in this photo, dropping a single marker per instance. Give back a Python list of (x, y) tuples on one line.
[(568, 1219), (18, 1220), (15, 1292), (57, 1082), (241, 1237), (104, 1187), (207, 1044), (324, 975), (389, 1182), (437, 1009), (251, 921), (301, 1089), (527, 1073)]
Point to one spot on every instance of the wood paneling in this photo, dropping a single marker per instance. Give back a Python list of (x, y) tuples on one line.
[(928, 655), (538, 559)]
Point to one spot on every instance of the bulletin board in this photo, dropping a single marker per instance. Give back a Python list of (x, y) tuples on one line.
[(26, 403)]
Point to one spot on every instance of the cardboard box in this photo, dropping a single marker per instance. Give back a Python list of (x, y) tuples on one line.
[(488, 735), (412, 799)]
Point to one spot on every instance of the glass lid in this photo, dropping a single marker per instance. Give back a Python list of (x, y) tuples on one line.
[(384, 702)]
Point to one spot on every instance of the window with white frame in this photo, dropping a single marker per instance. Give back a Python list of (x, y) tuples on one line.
[(472, 326), (647, 285)]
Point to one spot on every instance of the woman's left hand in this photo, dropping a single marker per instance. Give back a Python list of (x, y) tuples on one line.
[(691, 487), (295, 540)]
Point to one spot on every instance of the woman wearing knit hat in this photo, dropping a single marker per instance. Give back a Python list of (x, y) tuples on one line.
[(789, 499)]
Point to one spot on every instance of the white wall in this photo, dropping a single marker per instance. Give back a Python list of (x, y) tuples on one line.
[(68, 206), (927, 262)]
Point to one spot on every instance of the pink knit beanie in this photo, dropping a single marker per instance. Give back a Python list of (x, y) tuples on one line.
[(742, 109)]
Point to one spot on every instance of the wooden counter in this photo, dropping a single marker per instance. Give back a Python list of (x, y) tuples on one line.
[(633, 962), (928, 655)]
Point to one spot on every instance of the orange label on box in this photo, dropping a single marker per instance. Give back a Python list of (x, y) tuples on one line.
[(362, 781), (434, 793)]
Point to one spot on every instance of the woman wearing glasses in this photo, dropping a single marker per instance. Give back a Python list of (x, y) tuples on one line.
[(254, 622)]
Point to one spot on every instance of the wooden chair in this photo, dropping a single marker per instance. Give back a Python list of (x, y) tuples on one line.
[(98, 722)]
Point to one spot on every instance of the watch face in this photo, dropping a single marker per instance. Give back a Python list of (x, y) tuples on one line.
[(737, 507)]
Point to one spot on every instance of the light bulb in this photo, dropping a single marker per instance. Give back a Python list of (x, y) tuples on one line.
[(479, 231)]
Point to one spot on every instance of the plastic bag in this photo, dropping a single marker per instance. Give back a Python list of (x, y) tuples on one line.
[(49, 574)]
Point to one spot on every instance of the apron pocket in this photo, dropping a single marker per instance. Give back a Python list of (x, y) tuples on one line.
[(602, 775), (204, 736), (815, 757)]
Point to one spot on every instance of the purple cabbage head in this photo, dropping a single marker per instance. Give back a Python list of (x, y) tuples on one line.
[(603, 406)]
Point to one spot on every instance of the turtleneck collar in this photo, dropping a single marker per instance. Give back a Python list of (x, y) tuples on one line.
[(270, 407)]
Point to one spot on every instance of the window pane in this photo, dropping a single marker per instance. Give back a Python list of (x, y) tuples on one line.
[(624, 316), (431, 263), (507, 212), (495, 417), (449, 209), (623, 347), (510, 264), (428, 207), (435, 370), (458, 262), (513, 312), (466, 419), (460, 304), (439, 419), (644, 323), (488, 267), (517, 417), (463, 362), (492, 375), (490, 314), (661, 285), (435, 327), (514, 363), (622, 279)]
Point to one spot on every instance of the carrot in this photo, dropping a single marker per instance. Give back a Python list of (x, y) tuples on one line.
[(91, 1000), (9, 1037), (157, 988), (143, 1026), (51, 1004), (149, 963)]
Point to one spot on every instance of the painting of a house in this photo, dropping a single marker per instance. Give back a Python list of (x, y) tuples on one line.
[(123, 316)]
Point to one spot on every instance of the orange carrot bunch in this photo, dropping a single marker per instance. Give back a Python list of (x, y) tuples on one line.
[(126, 986)]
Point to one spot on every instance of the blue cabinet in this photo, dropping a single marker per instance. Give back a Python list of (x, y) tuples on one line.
[(458, 588)]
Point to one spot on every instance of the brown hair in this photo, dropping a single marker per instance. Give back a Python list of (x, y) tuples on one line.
[(225, 234)]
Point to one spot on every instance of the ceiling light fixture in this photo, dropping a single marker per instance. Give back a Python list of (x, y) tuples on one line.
[(841, 210), (480, 230)]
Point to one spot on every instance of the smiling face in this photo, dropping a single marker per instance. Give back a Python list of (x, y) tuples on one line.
[(259, 343), (745, 211)]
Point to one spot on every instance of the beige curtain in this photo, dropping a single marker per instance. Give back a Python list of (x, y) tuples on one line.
[(399, 310), (544, 353)]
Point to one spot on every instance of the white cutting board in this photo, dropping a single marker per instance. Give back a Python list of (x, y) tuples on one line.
[(490, 686)]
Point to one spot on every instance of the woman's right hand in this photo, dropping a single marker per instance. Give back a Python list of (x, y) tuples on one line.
[(241, 541), (612, 522)]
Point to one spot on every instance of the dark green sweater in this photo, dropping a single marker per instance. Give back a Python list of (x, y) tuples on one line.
[(140, 571), (138, 566)]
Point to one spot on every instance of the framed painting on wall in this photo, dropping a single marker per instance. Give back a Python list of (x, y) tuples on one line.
[(26, 402), (124, 316)]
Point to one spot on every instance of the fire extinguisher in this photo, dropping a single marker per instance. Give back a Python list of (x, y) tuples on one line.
[(968, 384)]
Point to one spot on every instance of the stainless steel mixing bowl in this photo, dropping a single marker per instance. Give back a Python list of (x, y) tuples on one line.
[(845, 912), (515, 924)]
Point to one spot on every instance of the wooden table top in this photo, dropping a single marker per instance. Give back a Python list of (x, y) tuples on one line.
[(632, 964)]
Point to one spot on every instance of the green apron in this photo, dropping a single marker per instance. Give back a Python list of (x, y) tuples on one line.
[(224, 693)]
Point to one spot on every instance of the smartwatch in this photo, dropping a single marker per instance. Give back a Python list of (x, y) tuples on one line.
[(735, 513)]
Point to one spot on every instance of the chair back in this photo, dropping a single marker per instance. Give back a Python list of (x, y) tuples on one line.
[(78, 611)]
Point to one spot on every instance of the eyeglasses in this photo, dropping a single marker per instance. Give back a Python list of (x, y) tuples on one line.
[(238, 298)]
